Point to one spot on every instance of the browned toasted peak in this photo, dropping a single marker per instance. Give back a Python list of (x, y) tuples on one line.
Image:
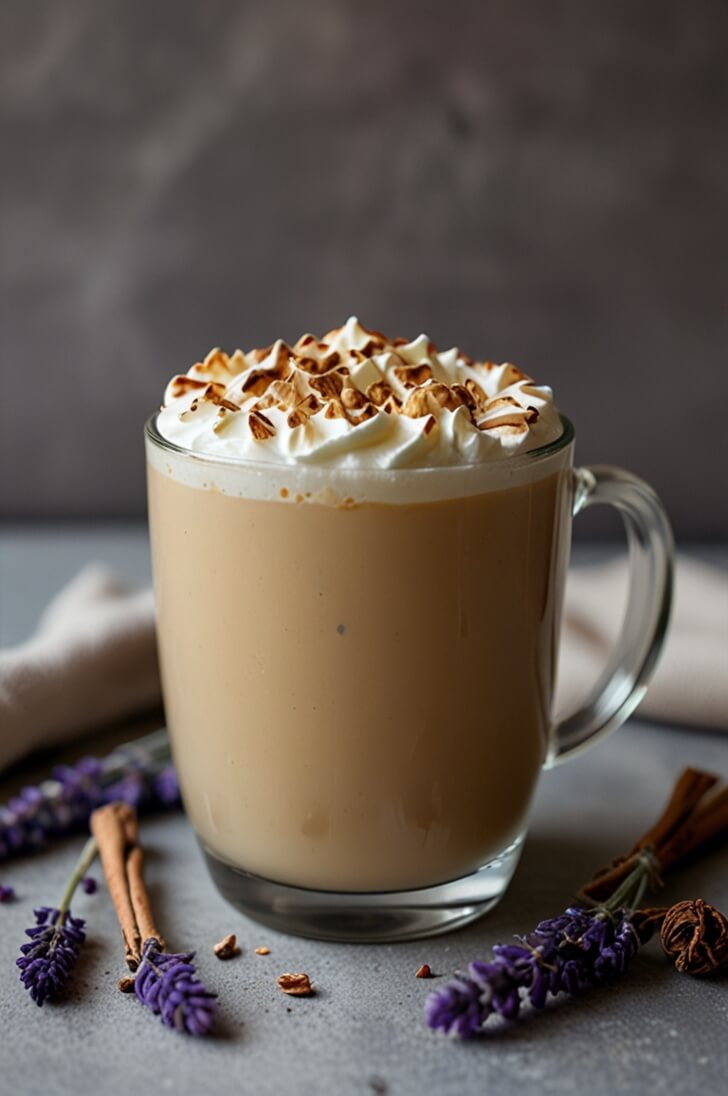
[(353, 399), (476, 392), (214, 391), (304, 410), (218, 359), (257, 381), (281, 394), (182, 384), (505, 426), (374, 345), (328, 386), (429, 399), (309, 365), (357, 354), (392, 403), (368, 412), (411, 375), (260, 426), (378, 392), (262, 352), (511, 374), (502, 401)]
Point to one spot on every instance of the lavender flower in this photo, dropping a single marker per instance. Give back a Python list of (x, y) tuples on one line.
[(7, 893), (89, 884), (565, 954), (166, 786), (138, 773), (569, 953), (167, 984), (48, 960)]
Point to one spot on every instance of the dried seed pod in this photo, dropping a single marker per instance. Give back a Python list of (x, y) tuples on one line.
[(695, 935)]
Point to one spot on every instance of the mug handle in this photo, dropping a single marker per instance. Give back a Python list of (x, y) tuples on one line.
[(651, 551)]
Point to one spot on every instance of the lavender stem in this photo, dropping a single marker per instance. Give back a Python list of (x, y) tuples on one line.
[(84, 862)]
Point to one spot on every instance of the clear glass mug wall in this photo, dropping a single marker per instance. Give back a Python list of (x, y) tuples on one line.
[(358, 672)]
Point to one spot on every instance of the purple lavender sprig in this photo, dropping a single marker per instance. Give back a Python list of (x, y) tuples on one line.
[(168, 985), (7, 893), (47, 962), (566, 954), (139, 772)]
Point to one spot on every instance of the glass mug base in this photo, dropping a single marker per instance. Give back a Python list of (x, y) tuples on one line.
[(362, 917)]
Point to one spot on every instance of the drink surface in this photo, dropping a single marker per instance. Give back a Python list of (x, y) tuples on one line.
[(359, 695)]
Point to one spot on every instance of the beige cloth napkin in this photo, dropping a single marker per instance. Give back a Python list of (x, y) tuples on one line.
[(93, 658), (690, 686)]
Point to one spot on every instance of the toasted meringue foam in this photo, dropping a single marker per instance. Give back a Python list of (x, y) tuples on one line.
[(352, 401)]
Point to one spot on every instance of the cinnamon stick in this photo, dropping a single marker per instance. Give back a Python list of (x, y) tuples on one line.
[(686, 824), (690, 787), (139, 897), (705, 824), (115, 828)]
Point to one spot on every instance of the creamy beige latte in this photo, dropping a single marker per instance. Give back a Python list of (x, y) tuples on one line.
[(358, 560)]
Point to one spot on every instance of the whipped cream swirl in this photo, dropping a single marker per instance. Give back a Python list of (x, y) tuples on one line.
[(356, 399)]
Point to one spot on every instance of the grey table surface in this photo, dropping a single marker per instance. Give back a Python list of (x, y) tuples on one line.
[(655, 1032)]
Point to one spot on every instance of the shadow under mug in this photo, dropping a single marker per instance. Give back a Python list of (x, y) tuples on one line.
[(358, 672)]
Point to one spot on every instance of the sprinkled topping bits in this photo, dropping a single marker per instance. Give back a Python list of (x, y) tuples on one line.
[(227, 948), (296, 985), (262, 951), (424, 971)]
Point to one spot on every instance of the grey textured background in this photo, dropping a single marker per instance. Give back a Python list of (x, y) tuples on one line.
[(544, 182)]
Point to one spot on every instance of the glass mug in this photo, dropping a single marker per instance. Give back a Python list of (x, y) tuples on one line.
[(359, 688)]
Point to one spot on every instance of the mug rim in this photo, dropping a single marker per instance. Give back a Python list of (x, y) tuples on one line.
[(533, 456)]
